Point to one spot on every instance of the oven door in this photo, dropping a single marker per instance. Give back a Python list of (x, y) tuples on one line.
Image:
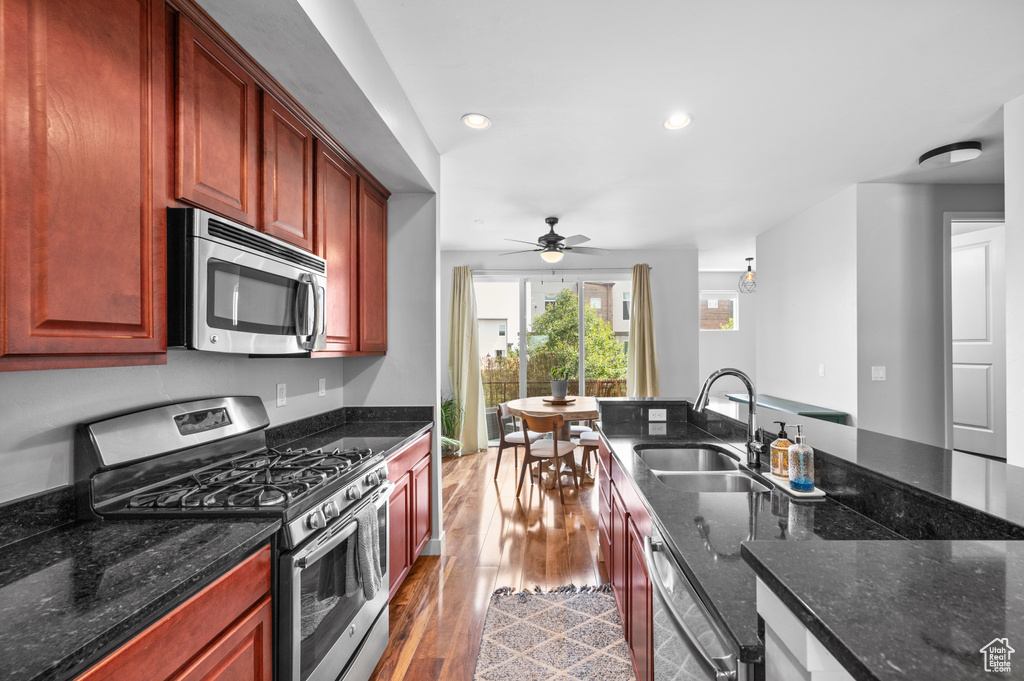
[(247, 303), (324, 614)]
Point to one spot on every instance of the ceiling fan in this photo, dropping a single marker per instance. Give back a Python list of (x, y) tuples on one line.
[(553, 247)]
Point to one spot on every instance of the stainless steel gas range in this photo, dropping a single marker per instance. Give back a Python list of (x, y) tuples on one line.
[(209, 458)]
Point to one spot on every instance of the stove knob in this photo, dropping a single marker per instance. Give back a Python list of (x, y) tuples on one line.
[(330, 510), (353, 493), (371, 478), (316, 520)]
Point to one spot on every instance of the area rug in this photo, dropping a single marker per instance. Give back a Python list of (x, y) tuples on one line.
[(571, 633)]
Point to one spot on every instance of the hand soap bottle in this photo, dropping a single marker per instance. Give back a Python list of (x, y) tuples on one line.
[(780, 452), (801, 464)]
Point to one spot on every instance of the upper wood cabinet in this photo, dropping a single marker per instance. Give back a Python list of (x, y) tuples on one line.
[(373, 269), (336, 207), (287, 176), (217, 128), (84, 158)]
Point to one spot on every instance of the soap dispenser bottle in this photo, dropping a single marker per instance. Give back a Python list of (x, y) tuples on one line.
[(801, 464), (780, 452)]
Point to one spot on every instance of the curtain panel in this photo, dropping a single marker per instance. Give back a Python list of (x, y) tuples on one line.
[(464, 361), (642, 356)]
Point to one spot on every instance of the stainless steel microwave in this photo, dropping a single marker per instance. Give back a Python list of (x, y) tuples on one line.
[(233, 289)]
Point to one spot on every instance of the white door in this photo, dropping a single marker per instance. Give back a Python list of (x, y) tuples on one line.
[(979, 340)]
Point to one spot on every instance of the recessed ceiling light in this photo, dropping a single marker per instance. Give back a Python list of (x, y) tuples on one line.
[(950, 155), (678, 120), (478, 222), (476, 121)]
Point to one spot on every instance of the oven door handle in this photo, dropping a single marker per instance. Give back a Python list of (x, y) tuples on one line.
[(311, 554)]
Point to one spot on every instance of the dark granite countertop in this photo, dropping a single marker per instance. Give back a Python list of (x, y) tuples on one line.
[(380, 436), (71, 595), (900, 610), (704, 531)]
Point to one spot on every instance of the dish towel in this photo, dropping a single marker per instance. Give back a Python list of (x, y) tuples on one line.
[(363, 556)]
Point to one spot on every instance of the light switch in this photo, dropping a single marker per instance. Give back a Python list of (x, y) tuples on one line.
[(821, 369), (322, 387), (281, 397), (657, 414), (877, 373)]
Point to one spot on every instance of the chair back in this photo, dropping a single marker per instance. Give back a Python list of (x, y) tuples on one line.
[(542, 423), (501, 410)]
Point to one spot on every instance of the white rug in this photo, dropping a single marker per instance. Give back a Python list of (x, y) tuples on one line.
[(571, 634)]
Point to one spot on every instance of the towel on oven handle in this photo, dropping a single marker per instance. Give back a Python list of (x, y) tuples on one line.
[(362, 560)]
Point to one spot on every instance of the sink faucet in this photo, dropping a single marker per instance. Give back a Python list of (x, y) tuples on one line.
[(754, 446)]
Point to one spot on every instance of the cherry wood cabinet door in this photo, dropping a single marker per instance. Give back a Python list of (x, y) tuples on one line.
[(243, 653), (617, 569), (336, 208), (373, 270), (640, 633), (399, 508), (287, 176), (217, 128), (83, 150), (421, 506)]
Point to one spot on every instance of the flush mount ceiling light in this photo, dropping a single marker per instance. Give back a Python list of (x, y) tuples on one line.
[(476, 121), (747, 283), (950, 155), (677, 121)]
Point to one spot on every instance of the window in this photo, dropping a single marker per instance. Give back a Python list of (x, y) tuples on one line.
[(501, 331), (626, 299), (498, 353), (719, 310), (595, 303), (549, 300)]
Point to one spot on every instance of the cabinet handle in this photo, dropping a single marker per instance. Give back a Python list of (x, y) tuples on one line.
[(716, 667)]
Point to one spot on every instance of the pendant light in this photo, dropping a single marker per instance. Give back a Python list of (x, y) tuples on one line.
[(747, 283)]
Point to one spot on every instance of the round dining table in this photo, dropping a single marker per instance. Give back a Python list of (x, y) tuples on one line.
[(583, 408)]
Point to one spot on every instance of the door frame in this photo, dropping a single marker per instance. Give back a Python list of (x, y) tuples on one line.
[(948, 218)]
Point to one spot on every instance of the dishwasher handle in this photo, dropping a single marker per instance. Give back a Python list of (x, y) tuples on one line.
[(719, 668)]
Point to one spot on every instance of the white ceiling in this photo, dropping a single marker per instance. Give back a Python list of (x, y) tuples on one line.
[(792, 101)]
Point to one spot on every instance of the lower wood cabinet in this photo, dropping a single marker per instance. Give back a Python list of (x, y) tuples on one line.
[(623, 524), (222, 633), (409, 507)]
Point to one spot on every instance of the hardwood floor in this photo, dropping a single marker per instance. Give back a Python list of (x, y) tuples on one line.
[(493, 540)]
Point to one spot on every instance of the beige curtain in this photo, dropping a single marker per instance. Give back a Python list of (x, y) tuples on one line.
[(464, 360), (642, 358)]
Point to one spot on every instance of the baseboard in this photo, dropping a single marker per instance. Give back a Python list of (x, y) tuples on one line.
[(435, 547)]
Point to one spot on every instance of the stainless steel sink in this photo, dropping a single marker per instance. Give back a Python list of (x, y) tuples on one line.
[(710, 482), (688, 459)]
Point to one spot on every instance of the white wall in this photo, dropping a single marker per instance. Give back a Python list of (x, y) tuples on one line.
[(807, 306), (674, 289), (900, 305), (39, 409), (1013, 131), (737, 348), (406, 375)]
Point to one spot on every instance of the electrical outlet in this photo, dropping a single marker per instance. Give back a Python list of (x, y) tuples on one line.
[(657, 414), (282, 398), (821, 369), (657, 428), (322, 387), (877, 373)]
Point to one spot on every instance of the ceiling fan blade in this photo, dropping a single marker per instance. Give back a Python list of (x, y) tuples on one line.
[(584, 250), (520, 241), (576, 239), (531, 250)]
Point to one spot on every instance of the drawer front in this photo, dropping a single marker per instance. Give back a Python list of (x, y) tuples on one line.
[(402, 461)]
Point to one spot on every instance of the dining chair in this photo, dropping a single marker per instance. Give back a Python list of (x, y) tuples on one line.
[(515, 439), (547, 450), (589, 442)]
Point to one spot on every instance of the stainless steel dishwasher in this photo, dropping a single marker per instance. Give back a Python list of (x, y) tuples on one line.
[(688, 646)]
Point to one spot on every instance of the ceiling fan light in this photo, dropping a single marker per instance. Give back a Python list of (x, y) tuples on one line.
[(552, 255)]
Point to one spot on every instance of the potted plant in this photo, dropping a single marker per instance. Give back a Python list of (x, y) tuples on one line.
[(560, 381), (452, 415)]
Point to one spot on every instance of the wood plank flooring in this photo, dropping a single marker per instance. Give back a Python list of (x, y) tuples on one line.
[(493, 540)]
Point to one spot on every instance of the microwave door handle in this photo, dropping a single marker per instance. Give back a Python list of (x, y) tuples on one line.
[(715, 667), (302, 296), (317, 304)]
